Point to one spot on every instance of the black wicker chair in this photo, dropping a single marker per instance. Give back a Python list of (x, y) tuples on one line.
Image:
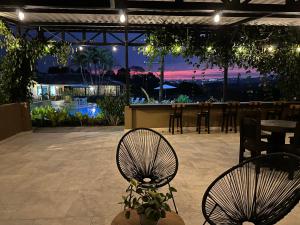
[(145, 155), (261, 190)]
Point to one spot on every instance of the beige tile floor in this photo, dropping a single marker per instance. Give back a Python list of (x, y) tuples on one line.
[(68, 176)]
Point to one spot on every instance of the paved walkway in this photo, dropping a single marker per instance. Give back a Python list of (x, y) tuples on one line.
[(68, 176)]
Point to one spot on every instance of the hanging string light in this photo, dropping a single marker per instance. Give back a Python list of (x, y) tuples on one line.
[(217, 17), (122, 17), (20, 14), (114, 48)]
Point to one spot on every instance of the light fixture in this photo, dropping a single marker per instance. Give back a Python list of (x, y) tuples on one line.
[(271, 48), (298, 49), (217, 17), (114, 48), (20, 14), (122, 17), (80, 48)]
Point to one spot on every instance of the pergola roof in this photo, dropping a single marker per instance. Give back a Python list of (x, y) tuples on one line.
[(148, 14)]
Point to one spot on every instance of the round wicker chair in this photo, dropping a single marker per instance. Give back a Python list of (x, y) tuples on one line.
[(145, 155), (261, 190)]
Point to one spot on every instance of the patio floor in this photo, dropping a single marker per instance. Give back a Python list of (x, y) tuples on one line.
[(68, 176)]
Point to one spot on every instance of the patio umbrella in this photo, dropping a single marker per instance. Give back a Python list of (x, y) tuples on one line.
[(165, 87)]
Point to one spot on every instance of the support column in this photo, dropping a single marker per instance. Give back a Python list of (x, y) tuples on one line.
[(18, 30), (126, 65), (225, 84)]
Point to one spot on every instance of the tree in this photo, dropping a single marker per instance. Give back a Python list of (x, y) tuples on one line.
[(215, 48), (18, 65), (274, 50), (159, 44), (92, 58), (269, 49), (80, 58)]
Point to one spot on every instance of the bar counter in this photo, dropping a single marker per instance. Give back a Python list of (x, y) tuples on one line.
[(157, 115)]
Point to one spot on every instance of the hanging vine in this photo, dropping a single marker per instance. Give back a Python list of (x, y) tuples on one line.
[(18, 64)]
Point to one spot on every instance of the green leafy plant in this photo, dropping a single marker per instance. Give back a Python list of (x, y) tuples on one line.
[(113, 109), (183, 99), (17, 66), (38, 116), (82, 118), (51, 115), (146, 201)]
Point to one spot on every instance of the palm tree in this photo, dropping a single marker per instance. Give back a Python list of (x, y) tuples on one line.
[(80, 58), (101, 59)]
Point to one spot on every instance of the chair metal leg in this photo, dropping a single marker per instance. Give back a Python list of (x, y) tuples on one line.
[(197, 122), (208, 124), (173, 120), (235, 124), (200, 121), (173, 198), (223, 123), (226, 125), (181, 125)]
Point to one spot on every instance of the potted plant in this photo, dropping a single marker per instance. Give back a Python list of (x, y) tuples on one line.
[(150, 204)]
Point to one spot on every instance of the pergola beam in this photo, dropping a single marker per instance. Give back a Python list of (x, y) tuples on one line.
[(95, 6), (58, 3), (253, 8)]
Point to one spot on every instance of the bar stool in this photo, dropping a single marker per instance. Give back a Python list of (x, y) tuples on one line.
[(230, 112), (276, 112), (204, 112), (177, 114), (294, 112), (255, 105)]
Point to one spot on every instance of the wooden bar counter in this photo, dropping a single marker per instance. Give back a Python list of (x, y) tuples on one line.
[(157, 115)]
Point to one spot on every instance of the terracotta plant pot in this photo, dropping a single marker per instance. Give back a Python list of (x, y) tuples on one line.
[(145, 221)]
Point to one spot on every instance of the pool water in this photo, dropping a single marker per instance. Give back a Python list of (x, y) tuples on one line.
[(91, 109)]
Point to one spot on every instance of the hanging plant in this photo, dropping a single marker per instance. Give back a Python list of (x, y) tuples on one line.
[(18, 65)]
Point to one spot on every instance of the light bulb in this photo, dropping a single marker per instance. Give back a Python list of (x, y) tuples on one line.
[(217, 18), (122, 18), (80, 48), (298, 49), (209, 48), (20, 14), (114, 49), (271, 48)]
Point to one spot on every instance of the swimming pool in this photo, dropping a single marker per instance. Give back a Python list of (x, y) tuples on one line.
[(91, 109)]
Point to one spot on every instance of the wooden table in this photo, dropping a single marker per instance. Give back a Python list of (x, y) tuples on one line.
[(171, 219), (278, 129)]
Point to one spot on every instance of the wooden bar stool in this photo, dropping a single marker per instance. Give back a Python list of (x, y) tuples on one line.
[(276, 112), (230, 112), (294, 112), (204, 112), (255, 105), (177, 114)]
